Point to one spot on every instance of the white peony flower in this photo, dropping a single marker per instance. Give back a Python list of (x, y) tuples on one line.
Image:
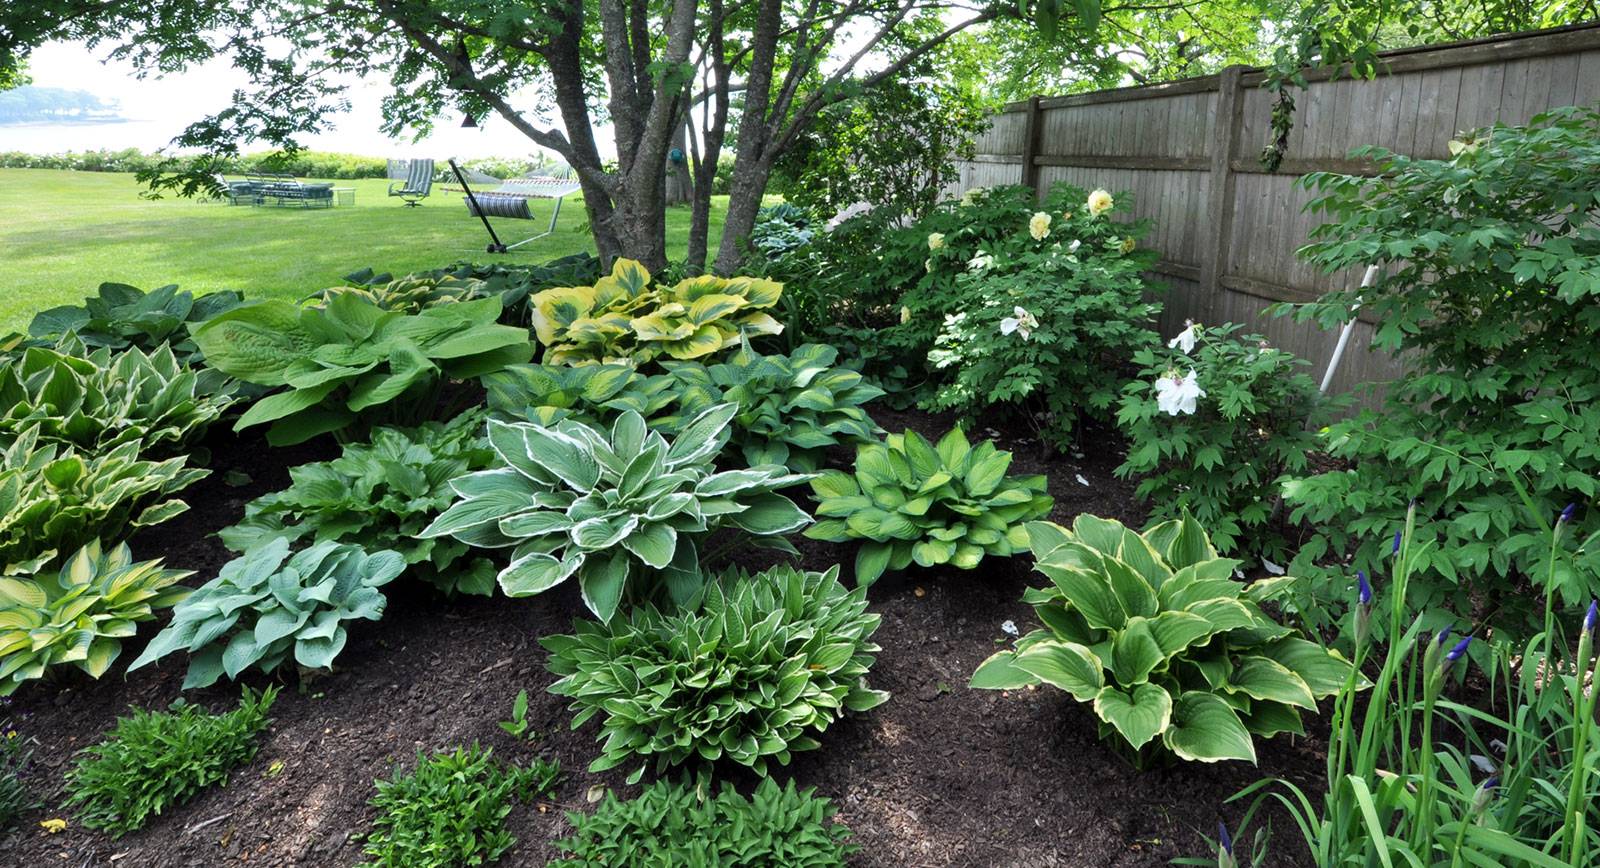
[(1099, 203), (853, 210), (1039, 225), (905, 314), (980, 262), (1073, 247), (1175, 394), (1185, 339), (1020, 321), (935, 240)]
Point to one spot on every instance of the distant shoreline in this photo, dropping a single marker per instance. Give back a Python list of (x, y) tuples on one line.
[(76, 122)]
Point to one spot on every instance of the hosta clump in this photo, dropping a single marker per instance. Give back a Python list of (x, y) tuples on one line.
[(411, 294), (623, 510), (593, 394), (352, 364), (671, 823), (79, 616), (913, 501), (749, 673), (95, 401), (122, 316), (267, 606), (622, 318), (54, 500), (380, 495), (1171, 650)]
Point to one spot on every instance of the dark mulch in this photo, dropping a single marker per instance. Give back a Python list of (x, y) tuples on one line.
[(941, 775)]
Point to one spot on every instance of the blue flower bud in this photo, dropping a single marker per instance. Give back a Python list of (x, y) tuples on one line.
[(1364, 590), (1456, 652), (1396, 549), (1224, 838), (1566, 514), (1589, 617)]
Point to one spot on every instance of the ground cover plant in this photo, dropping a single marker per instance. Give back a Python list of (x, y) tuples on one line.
[(911, 501), (624, 510), (380, 495), (267, 607), (153, 761), (80, 615), (750, 672), (1171, 650)]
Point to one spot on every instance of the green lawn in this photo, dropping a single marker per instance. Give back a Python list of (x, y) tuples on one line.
[(64, 233)]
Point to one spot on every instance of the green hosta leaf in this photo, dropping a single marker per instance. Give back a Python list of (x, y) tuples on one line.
[(1263, 678), (1071, 667), (871, 560), (1205, 729), (602, 579), (1139, 715), (1135, 652), (1000, 672), (1323, 671), (536, 572)]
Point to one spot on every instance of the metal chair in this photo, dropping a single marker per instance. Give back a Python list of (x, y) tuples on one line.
[(417, 185)]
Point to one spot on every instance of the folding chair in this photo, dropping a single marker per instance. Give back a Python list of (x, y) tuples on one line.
[(417, 185)]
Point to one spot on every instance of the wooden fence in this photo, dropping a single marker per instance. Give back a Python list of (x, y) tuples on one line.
[(1226, 229)]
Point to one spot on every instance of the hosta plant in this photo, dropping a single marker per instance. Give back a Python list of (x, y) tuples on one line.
[(909, 500), (380, 495), (623, 318), (1153, 630), (94, 401), (55, 500), (750, 672), (593, 394), (79, 616), (353, 362), (411, 294), (267, 606), (624, 510), (120, 316)]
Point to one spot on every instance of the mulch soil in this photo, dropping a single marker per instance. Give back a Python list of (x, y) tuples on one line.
[(941, 775)]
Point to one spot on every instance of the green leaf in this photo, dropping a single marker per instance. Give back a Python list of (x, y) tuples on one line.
[(1206, 729), (1138, 716), (1066, 665), (1000, 672)]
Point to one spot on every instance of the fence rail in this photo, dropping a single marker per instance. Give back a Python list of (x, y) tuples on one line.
[(1227, 229)]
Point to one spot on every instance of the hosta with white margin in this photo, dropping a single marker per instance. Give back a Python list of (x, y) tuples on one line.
[(1154, 630), (614, 507)]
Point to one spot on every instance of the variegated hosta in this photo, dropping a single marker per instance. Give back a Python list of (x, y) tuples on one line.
[(622, 318), (413, 293), (79, 616), (1154, 630), (592, 394), (615, 508)]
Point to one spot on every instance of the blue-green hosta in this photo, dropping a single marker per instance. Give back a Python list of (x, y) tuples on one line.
[(353, 362), (913, 501), (749, 672), (1170, 649), (618, 508), (95, 401), (80, 615), (121, 316), (379, 495), (267, 606)]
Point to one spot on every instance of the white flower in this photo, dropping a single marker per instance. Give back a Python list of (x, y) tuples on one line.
[(1175, 394), (1073, 247), (1185, 339), (927, 265), (1099, 203), (853, 210), (1039, 225), (905, 314), (935, 240), (1021, 322), (980, 262), (972, 196)]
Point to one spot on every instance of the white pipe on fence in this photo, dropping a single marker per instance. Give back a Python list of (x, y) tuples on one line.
[(1344, 334)]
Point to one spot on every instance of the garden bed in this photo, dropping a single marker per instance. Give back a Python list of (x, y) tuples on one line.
[(940, 775)]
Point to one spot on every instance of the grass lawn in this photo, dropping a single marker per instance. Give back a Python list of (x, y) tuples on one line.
[(64, 233)]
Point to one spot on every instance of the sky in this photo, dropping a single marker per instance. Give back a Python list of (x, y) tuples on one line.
[(157, 109)]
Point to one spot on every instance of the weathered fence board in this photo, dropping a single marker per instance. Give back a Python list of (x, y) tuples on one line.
[(1226, 229)]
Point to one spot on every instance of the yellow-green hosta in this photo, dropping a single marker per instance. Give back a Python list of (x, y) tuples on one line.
[(622, 318)]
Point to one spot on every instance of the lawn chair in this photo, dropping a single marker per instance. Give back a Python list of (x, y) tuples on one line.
[(417, 185)]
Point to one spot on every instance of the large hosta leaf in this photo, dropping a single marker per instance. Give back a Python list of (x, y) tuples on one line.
[(1206, 729), (1071, 667), (1138, 715)]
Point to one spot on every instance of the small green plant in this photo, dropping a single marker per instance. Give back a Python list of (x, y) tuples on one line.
[(519, 726), (672, 823), (156, 760), (16, 753), (79, 616), (266, 606), (411, 294), (614, 508), (749, 673), (913, 501), (121, 317), (352, 364), (380, 495), (450, 810), (1155, 632)]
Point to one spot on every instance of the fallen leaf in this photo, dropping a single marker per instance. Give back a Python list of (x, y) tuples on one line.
[(920, 592), (53, 825)]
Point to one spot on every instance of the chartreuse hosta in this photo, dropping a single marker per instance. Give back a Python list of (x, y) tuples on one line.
[(616, 508), (623, 318), (913, 501), (1171, 650)]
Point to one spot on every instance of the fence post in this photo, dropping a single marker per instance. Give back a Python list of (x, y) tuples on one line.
[(1217, 233), (1030, 146)]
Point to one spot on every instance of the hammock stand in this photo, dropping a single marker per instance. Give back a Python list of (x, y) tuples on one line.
[(510, 200)]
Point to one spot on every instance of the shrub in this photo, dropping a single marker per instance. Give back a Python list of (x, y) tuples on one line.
[(80, 616), (678, 824), (623, 318), (450, 810), (120, 317), (1220, 458), (748, 673), (96, 401), (156, 760), (267, 605), (1491, 273), (352, 362), (380, 495), (613, 508), (16, 754), (1154, 630), (910, 500), (54, 500)]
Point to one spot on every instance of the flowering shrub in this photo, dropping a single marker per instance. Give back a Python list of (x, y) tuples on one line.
[(1211, 423), (1491, 277)]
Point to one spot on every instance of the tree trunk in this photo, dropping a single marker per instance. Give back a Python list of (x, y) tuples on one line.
[(744, 203)]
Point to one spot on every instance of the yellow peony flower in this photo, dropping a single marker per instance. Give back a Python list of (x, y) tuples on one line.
[(935, 240), (1127, 244), (1099, 203), (1039, 225)]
